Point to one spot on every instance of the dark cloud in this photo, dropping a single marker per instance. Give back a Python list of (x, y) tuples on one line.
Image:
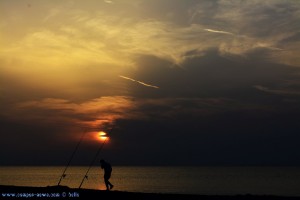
[(209, 112), (235, 138), (211, 75)]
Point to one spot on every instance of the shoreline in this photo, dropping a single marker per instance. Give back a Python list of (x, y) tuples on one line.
[(52, 192)]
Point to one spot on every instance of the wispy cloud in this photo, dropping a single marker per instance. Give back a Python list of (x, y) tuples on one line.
[(102, 36), (277, 91), (52, 13), (91, 113), (140, 82)]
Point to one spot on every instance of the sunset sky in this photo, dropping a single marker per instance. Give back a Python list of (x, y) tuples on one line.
[(173, 82)]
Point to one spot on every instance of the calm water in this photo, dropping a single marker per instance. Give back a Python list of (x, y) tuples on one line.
[(189, 180)]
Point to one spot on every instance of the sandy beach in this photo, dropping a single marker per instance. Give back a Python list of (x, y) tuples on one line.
[(52, 192)]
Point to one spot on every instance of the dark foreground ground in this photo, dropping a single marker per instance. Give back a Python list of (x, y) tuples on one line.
[(63, 192)]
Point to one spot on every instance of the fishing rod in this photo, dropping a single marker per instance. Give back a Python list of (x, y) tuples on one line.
[(96, 155), (63, 174)]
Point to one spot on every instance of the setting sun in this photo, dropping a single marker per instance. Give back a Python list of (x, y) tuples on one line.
[(103, 136)]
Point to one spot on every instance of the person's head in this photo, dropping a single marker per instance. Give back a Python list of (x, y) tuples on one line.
[(102, 161)]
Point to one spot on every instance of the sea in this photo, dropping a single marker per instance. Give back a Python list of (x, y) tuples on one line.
[(282, 181)]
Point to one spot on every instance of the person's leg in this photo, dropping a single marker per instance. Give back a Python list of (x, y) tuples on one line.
[(111, 185), (106, 183)]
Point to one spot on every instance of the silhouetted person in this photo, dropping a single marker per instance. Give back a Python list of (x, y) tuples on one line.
[(107, 173)]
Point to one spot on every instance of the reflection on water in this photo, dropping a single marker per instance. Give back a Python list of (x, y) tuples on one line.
[(188, 180)]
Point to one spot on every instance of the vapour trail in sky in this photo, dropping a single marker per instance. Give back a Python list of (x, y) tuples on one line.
[(140, 82), (218, 31)]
